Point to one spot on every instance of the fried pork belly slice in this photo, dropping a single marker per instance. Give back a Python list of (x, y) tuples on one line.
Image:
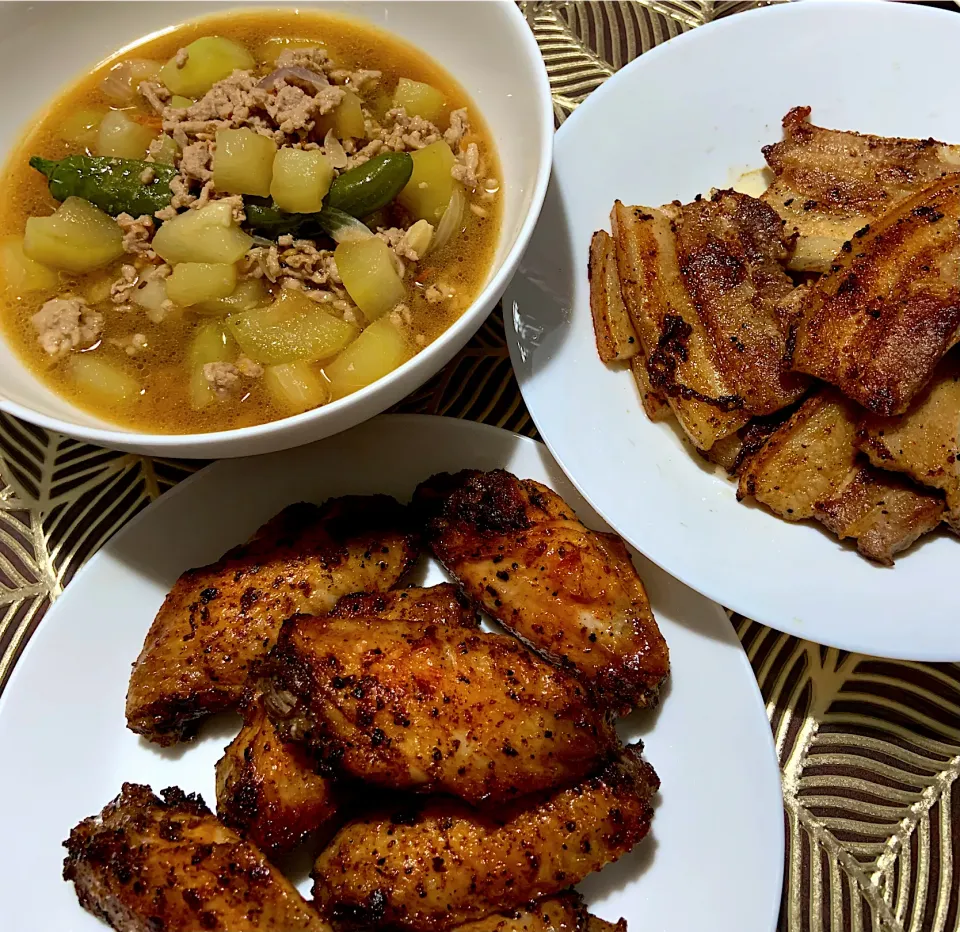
[(146, 864), (810, 468), (613, 329), (219, 619), (563, 913), (830, 183), (882, 512), (269, 789), (923, 443), (673, 339), (703, 283), (879, 322), (433, 708), (733, 451), (571, 594), (616, 339), (444, 863)]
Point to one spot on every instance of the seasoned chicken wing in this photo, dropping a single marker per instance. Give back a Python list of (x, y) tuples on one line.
[(563, 913), (829, 183), (218, 619), (443, 604), (880, 320), (146, 864), (444, 863), (433, 708), (269, 789), (571, 594), (924, 443)]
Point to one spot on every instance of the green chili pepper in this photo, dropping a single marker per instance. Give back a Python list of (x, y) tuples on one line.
[(368, 187), (269, 220), (113, 185)]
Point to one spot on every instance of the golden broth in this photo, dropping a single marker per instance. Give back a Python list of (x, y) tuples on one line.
[(163, 404)]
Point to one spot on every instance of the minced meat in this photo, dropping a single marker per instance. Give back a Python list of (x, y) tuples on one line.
[(65, 324)]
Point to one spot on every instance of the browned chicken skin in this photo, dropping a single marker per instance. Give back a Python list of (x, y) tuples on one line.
[(146, 864), (433, 867), (269, 789), (563, 913), (432, 707), (571, 594), (219, 619)]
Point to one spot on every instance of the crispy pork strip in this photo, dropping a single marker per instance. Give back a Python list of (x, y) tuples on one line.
[(433, 708), (442, 863), (616, 339), (830, 183), (219, 619), (733, 451), (570, 593), (147, 864), (269, 789), (923, 443), (672, 336), (878, 323), (730, 250), (883, 513), (810, 468)]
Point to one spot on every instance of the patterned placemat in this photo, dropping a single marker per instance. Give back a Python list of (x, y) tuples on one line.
[(869, 748)]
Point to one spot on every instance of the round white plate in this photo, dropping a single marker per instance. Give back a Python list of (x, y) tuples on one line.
[(714, 857), (689, 115)]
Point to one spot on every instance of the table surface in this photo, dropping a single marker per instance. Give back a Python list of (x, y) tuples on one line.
[(869, 749)]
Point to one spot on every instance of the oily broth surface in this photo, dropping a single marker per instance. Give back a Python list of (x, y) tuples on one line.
[(163, 405)]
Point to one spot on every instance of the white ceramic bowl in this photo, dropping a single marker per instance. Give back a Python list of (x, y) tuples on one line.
[(486, 46)]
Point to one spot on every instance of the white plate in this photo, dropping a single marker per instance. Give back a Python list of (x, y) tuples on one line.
[(714, 857), (687, 116)]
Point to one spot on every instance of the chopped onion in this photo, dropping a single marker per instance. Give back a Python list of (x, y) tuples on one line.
[(333, 149), (451, 223), (317, 81), (341, 227), (121, 84)]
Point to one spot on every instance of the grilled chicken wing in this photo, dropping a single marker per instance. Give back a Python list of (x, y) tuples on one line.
[(571, 594), (433, 708), (220, 618), (441, 605), (269, 789), (431, 868), (829, 183), (563, 913), (809, 468), (924, 443), (146, 864), (601, 925), (878, 323)]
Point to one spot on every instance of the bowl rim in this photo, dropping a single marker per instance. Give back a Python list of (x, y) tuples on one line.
[(169, 443)]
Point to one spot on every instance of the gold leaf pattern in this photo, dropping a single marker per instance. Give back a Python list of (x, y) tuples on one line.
[(869, 748)]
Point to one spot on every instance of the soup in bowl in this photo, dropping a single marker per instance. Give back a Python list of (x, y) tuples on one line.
[(251, 220)]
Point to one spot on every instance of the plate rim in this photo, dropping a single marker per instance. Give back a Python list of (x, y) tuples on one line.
[(674, 565), (724, 626)]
